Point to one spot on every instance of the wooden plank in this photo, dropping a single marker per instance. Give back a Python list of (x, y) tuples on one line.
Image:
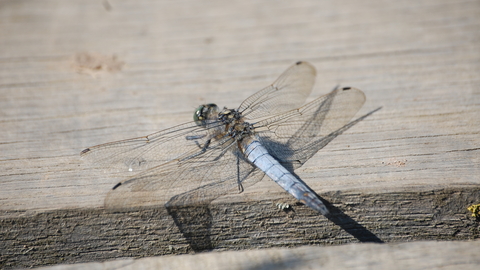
[(69, 236), (80, 73), (416, 255)]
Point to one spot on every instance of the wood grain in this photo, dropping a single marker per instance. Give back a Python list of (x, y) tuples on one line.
[(80, 73)]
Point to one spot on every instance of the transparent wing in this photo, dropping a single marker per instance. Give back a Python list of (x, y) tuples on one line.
[(197, 179), (295, 136), (288, 92), (141, 153)]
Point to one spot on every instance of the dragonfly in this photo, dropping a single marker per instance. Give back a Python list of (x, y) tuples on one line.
[(273, 133)]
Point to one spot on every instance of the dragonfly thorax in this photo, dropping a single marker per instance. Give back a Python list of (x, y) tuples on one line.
[(235, 125), (231, 121)]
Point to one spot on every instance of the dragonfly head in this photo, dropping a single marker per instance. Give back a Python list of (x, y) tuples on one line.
[(205, 112)]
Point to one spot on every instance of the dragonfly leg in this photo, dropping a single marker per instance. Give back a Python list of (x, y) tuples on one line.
[(240, 187), (203, 149)]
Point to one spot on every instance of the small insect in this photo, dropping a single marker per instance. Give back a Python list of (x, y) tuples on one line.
[(475, 209)]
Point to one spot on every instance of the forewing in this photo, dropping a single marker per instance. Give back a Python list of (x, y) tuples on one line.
[(295, 136), (141, 153), (288, 92), (194, 180)]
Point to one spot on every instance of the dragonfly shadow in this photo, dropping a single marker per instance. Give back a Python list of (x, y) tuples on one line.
[(194, 222), (348, 224)]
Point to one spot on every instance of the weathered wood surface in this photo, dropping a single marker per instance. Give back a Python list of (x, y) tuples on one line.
[(79, 73), (414, 255)]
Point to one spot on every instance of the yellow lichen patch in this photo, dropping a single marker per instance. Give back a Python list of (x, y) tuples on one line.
[(475, 209)]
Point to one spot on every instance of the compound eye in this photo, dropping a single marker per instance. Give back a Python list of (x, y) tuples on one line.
[(198, 114)]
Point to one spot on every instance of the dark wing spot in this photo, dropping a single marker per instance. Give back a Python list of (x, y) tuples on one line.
[(85, 151), (346, 88), (298, 63), (116, 186)]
